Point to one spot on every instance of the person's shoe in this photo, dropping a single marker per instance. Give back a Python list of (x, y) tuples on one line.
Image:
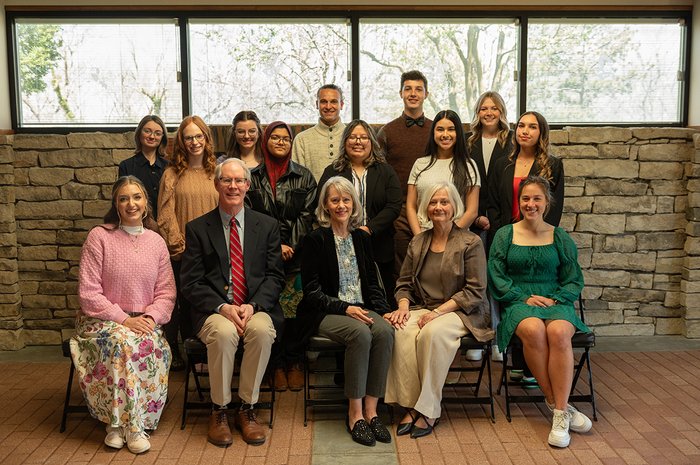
[(496, 354), (115, 437), (177, 363), (295, 377), (137, 442), (529, 382), (578, 422), (404, 428), (248, 425), (452, 377), (418, 432), (473, 355), (219, 432), (559, 435), (516, 375), (280, 379), (361, 432), (380, 432)]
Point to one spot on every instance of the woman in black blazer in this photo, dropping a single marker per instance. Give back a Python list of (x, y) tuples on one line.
[(362, 162)]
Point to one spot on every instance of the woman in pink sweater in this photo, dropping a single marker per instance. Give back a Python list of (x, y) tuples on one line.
[(126, 291)]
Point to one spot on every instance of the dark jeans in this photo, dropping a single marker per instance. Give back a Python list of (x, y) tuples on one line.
[(181, 318)]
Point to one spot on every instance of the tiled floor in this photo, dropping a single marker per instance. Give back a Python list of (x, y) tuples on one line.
[(648, 411)]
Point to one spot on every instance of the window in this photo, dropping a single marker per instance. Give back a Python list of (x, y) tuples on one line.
[(95, 72), (273, 68)]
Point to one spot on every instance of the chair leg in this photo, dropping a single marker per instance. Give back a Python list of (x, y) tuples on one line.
[(190, 370), (272, 405), (306, 386), (504, 383), (64, 417), (590, 384), (488, 373)]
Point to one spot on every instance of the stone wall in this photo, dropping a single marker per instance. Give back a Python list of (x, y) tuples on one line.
[(632, 205)]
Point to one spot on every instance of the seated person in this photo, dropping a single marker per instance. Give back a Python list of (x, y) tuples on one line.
[(343, 301), (441, 294), (232, 273), (535, 275)]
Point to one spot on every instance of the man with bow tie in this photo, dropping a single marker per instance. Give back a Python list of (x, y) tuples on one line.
[(404, 140)]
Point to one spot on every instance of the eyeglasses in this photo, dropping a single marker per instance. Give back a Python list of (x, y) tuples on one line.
[(197, 137), (243, 132), (354, 139), (148, 132), (229, 181), (277, 139)]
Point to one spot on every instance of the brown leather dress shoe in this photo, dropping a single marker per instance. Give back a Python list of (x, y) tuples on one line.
[(219, 432), (280, 379), (295, 378), (249, 427)]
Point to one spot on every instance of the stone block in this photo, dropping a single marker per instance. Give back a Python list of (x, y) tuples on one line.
[(573, 192), (41, 337), (599, 135), (692, 214), (573, 181), (641, 281), (633, 295), (658, 222), (578, 204), (106, 175), (660, 240), (45, 224), (665, 152), (576, 151), (39, 141), (88, 223), (71, 237), (44, 301), (606, 278), (10, 310), (8, 265), (72, 301), (74, 158), (96, 208), (8, 252), (660, 170), (696, 140), (693, 185), (690, 286), (626, 243), (669, 326), (601, 224), (568, 221), (667, 187), (7, 213), (666, 204), (638, 320), (598, 243), (659, 310), (74, 190), (625, 330), (7, 194), (615, 187), (603, 317), (582, 240), (595, 304), (39, 252), (692, 247), (53, 323), (50, 176), (69, 253), (584, 258), (25, 159), (67, 333), (614, 151), (590, 292), (57, 209), (619, 169), (31, 265), (42, 276), (37, 193), (35, 237), (64, 313), (616, 204), (8, 239), (11, 339), (692, 329), (36, 313), (119, 156), (669, 265), (101, 140), (680, 204), (558, 136), (690, 301), (659, 133), (26, 287), (53, 288), (56, 266), (20, 177)]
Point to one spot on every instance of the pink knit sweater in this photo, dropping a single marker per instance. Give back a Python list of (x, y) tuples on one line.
[(120, 273)]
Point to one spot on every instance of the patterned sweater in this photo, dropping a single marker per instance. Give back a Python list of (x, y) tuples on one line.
[(317, 147)]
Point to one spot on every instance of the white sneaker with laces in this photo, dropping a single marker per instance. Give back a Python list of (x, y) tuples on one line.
[(559, 435), (579, 423), (474, 355), (138, 441), (115, 437)]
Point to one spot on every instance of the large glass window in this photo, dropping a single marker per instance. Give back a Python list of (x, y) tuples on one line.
[(461, 59), (605, 71), (271, 67), (82, 73)]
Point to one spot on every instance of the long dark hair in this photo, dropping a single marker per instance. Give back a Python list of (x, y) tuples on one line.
[(233, 150), (160, 151), (112, 216), (376, 154), (461, 161), (542, 157)]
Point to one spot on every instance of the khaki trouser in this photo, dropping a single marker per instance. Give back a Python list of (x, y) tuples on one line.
[(221, 338)]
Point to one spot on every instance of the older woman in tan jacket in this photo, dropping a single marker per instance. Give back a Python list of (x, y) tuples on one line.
[(441, 295)]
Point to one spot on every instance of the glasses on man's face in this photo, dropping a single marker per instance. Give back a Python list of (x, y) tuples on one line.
[(279, 139), (156, 134), (249, 132), (197, 137), (362, 139), (240, 182)]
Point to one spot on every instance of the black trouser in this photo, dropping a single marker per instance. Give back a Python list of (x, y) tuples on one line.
[(181, 318)]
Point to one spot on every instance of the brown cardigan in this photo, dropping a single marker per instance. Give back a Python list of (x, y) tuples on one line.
[(463, 276)]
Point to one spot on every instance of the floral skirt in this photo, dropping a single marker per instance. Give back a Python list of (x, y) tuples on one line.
[(124, 377)]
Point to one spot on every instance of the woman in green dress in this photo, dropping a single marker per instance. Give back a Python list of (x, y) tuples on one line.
[(534, 274)]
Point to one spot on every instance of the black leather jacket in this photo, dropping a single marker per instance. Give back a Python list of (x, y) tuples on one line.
[(293, 207)]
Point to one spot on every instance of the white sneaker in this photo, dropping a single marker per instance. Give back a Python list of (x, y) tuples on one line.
[(559, 435), (473, 355), (138, 442), (496, 354), (579, 423), (115, 437)]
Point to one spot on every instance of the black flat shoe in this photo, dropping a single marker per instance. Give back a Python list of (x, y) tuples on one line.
[(418, 432), (361, 432), (405, 428), (379, 431), (177, 363)]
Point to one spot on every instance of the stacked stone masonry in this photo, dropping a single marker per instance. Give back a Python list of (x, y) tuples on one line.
[(632, 205)]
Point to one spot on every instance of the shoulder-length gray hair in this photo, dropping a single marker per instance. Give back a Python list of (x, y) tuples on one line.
[(452, 195), (343, 186)]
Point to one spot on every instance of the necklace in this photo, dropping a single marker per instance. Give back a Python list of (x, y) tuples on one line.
[(133, 233)]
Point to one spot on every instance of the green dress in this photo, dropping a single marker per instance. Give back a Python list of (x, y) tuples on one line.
[(517, 271)]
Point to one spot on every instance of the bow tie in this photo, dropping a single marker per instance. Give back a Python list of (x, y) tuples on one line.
[(420, 121)]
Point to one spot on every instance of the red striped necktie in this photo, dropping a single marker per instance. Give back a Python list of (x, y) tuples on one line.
[(240, 290)]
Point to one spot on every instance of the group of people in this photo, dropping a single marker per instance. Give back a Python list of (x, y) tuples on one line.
[(385, 242)]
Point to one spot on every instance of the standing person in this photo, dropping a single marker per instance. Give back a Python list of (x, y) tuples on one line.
[(244, 139), (343, 302), (404, 140), (318, 146), (232, 273), (446, 158), (442, 297), (149, 160), (534, 273), (361, 161), (286, 191), (126, 291), (186, 192)]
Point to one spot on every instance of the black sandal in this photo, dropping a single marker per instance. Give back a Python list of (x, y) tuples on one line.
[(380, 432), (361, 432), (405, 428), (419, 432)]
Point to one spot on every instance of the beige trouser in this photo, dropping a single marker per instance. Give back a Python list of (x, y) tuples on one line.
[(221, 338), (421, 360)]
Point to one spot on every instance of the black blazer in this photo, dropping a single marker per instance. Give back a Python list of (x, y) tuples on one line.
[(500, 192), (383, 205), (321, 280), (206, 265), (477, 154)]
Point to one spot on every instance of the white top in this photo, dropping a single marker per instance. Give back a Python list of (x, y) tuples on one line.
[(487, 146)]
